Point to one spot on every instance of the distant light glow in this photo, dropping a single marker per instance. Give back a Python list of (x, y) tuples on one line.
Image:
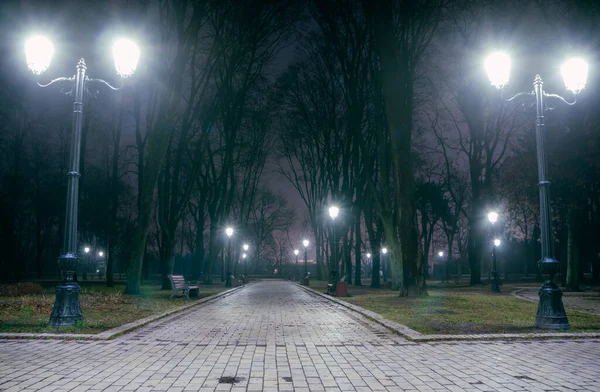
[(38, 54), (305, 243), (246, 247), (100, 253), (493, 216), (497, 242), (86, 249), (229, 231), (574, 72), (497, 66), (126, 55), (244, 256), (384, 250), (97, 271), (296, 251), (368, 255), (333, 212), (441, 254)]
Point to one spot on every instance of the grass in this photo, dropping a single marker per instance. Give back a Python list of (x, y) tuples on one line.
[(455, 309), (103, 308)]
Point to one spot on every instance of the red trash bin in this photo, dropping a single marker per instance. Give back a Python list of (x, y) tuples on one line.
[(341, 289)]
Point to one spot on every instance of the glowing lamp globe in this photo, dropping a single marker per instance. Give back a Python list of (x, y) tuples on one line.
[(100, 253), (574, 73), (126, 55), (296, 251), (497, 242), (497, 67), (333, 212), (384, 250), (493, 217), (229, 231), (244, 256), (441, 254), (246, 247), (86, 249), (305, 243), (368, 255), (38, 53)]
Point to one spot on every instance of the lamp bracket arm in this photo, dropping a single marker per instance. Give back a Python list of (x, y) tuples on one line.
[(57, 80), (105, 83), (570, 103), (530, 94)]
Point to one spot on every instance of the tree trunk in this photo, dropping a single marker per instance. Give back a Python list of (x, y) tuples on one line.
[(357, 247)]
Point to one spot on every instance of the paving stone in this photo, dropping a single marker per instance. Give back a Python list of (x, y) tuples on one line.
[(277, 337)]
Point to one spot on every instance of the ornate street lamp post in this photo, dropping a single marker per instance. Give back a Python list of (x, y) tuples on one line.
[(551, 313), (38, 52), (229, 232)]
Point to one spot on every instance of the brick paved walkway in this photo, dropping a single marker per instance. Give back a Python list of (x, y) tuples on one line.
[(275, 336)]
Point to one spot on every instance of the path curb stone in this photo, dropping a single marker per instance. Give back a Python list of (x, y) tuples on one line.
[(415, 336), (120, 330)]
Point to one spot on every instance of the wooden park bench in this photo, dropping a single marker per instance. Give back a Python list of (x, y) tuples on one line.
[(178, 282)]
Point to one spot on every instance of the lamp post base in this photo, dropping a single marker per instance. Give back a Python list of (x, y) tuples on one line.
[(551, 312), (66, 311)]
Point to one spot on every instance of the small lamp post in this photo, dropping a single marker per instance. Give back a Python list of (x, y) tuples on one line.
[(245, 247), (369, 264), (229, 233), (305, 243), (493, 218), (441, 258), (333, 213), (384, 251), (551, 312), (39, 51), (296, 252)]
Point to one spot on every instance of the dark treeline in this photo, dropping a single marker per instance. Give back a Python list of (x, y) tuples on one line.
[(380, 107)]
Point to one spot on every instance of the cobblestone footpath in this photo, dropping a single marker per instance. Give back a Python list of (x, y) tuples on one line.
[(274, 336)]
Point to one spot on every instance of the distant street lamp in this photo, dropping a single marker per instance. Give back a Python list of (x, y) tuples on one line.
[(39, 51), (296, 252), (245, 264), (384, 251), (305, 243), (493, 218), (333, 213), (551, 312), (369, 268), (229, 233), (441, 258)]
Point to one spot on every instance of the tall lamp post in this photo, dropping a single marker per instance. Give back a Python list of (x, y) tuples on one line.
[(245, 247), (493, 218), (551, 312), (333, 213), (384, 264), (305, 243), (229, 233), (296, 252), (370, 267), (441, 258), (38, 52)]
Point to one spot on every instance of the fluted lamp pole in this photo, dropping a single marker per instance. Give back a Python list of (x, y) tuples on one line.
[(551, 312), (39, 51)]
